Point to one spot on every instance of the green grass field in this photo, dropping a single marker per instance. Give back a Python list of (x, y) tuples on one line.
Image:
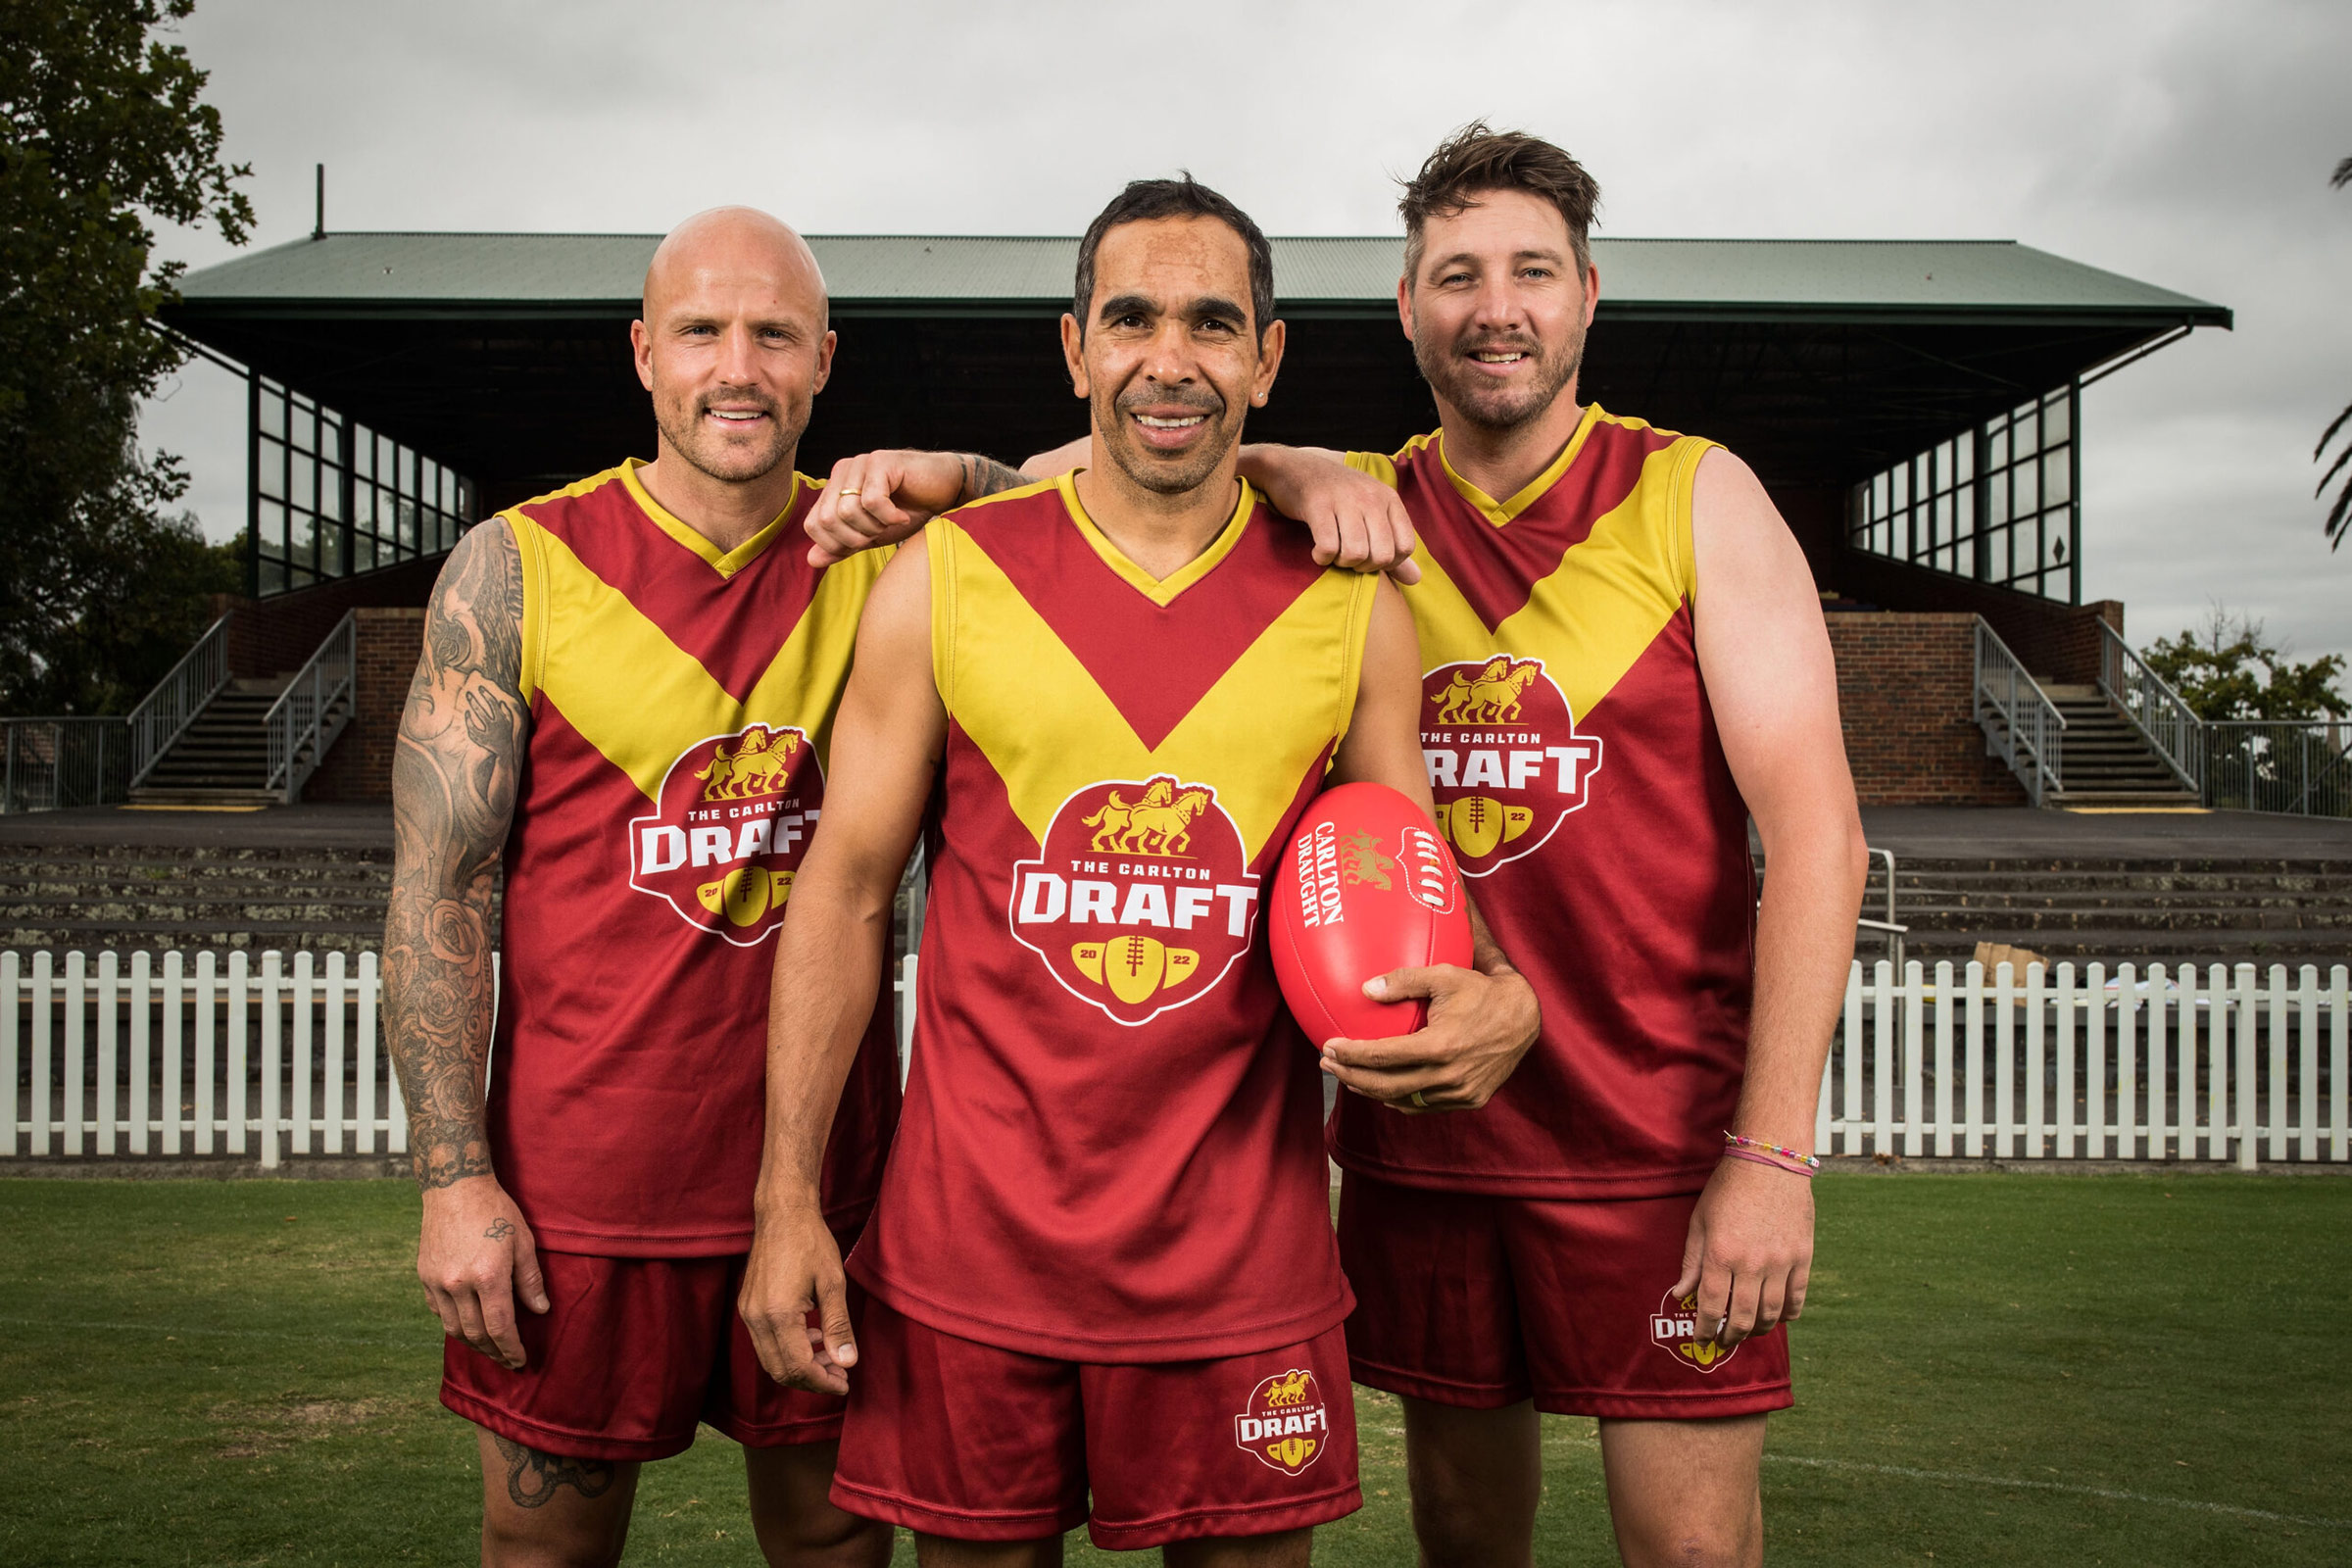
[(1995, 1369)]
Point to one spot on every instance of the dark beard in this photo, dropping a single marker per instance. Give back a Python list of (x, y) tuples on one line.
[(1489, 408), (1154, 473)]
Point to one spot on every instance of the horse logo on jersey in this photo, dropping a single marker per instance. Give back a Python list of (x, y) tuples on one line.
[(1504, 759), (1285, 1423), (1674, 1328), (732, 823), (1141, 897)]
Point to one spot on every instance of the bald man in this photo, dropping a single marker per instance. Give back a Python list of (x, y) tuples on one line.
[(625, 700)]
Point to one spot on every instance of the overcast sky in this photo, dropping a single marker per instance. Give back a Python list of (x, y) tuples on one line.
[(2187, 144)]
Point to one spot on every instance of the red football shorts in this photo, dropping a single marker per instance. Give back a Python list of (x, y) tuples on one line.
[(629, 1356), (1481, 1302), (958, 1438)]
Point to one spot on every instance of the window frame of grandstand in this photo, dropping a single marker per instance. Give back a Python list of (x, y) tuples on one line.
[(330, 498)]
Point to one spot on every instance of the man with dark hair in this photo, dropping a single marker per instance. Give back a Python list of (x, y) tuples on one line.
[(1102, 1259), (625, 691), (1624, 661)]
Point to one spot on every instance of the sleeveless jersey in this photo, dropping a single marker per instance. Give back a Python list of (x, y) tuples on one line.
[(1578, 773), (681, 705), (1113, 1148)]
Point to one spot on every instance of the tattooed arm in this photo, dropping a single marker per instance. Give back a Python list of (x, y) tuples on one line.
[(879, 498), (453, 777)]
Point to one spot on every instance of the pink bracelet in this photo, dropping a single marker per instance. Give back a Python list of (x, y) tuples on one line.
[(1767, 1163), (1734, 1143)]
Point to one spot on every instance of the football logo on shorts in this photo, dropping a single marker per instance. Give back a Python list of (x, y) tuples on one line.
[(1141, 898), (733, 820), (1674, 1328), (1285, 1423), (1504, 759)]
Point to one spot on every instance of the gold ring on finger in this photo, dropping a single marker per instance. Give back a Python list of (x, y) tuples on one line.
[(849, 492), (1418, 1101)]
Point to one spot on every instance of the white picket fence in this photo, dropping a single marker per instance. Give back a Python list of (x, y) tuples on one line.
[(2160, 1062), (206, 1054), (175, 1054)]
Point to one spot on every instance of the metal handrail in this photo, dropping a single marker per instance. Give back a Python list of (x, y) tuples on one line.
[(1894, 930), (51, 763), (164, 714), (301, 723), (2033, 730), (2169, 726)]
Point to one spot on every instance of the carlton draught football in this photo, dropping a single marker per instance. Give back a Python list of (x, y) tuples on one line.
[(1369, 886)]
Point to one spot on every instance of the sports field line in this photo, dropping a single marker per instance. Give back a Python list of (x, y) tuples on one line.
[(2108, 1493), (175, 1330)]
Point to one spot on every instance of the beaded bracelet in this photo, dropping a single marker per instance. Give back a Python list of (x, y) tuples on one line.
[(1795, 1163)]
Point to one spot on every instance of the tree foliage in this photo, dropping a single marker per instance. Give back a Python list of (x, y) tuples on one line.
[(2227, 669), (2340, 514), (102, 130)]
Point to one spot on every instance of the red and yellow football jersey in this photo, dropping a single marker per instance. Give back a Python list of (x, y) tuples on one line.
[(681, 705), (1111, 1148), (1578, 773)]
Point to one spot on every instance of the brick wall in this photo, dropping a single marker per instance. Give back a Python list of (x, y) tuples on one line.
[(2053, 641), (1903, 696), (358, 766), (277, 636)]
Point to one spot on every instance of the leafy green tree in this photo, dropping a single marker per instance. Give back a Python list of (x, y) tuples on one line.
[(101, 130), (2229, 669), (2340, 516)]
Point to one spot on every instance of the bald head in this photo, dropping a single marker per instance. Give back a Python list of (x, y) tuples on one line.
[(736, 243), (734, 342)]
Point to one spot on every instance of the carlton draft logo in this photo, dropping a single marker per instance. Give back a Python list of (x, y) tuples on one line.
[(1674, 1328), (733, 820), (1141, 897), (1285, 1423), (1504, 759)]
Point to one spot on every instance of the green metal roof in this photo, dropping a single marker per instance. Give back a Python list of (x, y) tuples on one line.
[(1656, 278)]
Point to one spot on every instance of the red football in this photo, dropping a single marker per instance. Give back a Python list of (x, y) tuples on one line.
[(1369, 886)]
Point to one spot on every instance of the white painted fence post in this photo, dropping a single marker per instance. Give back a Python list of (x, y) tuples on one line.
[(2094, 1075), (2339, 1035), (906, 1017), (2066, 1061), (2159, 1061), (174, 1000), (109, 1055), (2036, 1062), (274, 1056), (2227, 998), (1881, 1064), (2005, 1069), (1850, 1130), (142, 1045), (2307, 992), (10, 970), (1821, 1113), (364, 1050), (330, 1080), (78, 1002), (44, 1002), (1915, 1039), (2279, 1027), (1944, 1057), (1975, 994), (2244, 1002), (2126, 1110)]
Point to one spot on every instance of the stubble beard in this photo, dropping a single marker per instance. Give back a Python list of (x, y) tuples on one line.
[(709, 452), (1489, 406), (1147, 468)]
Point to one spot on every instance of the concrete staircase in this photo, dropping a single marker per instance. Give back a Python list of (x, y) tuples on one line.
[(2106, 761), (124, 896), (2116, 908), (223, 757)]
